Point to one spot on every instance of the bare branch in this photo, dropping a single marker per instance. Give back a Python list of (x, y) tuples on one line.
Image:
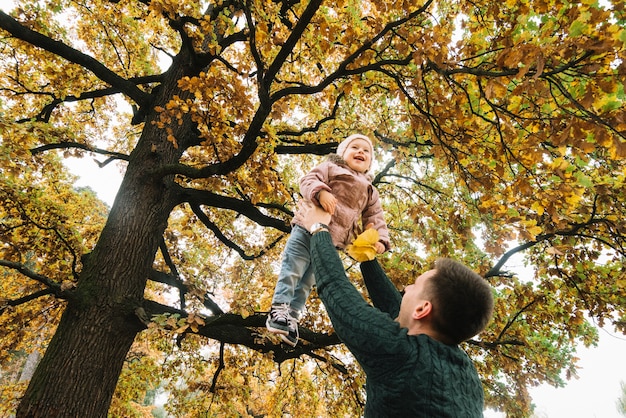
[(19, 301), (174, 281), (21, 268), (68, 145), (229, 243), (574, 231)]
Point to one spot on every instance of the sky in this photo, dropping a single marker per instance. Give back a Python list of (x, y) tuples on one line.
[(593, 395)]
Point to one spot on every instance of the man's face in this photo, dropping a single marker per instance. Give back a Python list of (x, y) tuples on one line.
[(413, 295)]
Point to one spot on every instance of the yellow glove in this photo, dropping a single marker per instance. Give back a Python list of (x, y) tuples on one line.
[(363, 248)]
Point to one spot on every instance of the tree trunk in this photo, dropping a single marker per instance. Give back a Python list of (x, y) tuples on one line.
[(79, 371), (88, 347)]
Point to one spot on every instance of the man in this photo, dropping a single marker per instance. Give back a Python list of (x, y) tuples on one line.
[(407, 345)]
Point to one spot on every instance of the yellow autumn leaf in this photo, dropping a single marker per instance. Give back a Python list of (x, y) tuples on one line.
[(195, 322), (534, 230), (181, 329), (363, 247), (537, 207)]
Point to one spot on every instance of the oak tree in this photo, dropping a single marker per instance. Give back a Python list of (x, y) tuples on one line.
[(500, 133)]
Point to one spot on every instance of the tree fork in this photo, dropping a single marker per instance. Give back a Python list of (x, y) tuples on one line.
[(99, 325)]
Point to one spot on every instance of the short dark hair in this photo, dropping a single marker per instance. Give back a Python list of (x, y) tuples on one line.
[(462, 300)]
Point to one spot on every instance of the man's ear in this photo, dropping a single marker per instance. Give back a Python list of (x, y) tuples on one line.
[(422, 310)]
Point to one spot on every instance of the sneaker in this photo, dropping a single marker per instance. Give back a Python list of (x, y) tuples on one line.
[(278, 319), (291, 337)]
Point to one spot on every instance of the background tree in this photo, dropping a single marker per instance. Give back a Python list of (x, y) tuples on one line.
[(500, 130)]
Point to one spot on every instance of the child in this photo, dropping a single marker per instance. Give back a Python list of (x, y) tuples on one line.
[(343, 188)]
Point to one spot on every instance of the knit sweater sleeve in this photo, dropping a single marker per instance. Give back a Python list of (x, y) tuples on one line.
[(373, 337), (383, 293)]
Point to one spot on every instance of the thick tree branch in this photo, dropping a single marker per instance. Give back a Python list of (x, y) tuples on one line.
[(574, 231), (250, 332), (243, 207), (174, 272), (311, 149), (495, 344), (46, 112), (72, 55), (68, 145), (290, 43), (21, 268), (219, 369), (218, 233)]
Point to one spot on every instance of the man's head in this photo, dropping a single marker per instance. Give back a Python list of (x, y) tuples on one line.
[(451, 303)]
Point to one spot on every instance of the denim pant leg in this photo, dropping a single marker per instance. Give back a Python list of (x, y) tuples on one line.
[(296, 273)]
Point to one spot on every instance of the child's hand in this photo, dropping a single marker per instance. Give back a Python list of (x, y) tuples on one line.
[(379, 246), (327, 200)]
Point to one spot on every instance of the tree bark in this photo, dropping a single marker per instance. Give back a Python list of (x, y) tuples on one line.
[(99, 324)]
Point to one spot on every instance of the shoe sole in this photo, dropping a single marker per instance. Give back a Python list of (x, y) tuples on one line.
[(287, 340)]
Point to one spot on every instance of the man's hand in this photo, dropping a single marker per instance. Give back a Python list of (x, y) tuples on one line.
[(312, 214)]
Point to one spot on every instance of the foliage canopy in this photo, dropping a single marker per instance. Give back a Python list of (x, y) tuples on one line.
[(500, 131)]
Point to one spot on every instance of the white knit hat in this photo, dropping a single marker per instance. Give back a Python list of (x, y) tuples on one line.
[(341, 149)]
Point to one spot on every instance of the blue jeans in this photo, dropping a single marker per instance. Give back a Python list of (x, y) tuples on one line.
[(296, 278)]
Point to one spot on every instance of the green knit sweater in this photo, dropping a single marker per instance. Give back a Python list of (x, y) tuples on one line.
[(407, 375)]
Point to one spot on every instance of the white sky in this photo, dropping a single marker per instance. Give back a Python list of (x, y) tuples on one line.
[(593, 395), (104, 181)]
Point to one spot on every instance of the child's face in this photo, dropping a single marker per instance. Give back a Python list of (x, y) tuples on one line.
[(358, 155)]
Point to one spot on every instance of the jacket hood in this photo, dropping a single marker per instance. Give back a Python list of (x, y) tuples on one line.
[(336, 159)]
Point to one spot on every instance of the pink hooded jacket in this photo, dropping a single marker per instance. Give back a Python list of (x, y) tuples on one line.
[(358, 202)]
